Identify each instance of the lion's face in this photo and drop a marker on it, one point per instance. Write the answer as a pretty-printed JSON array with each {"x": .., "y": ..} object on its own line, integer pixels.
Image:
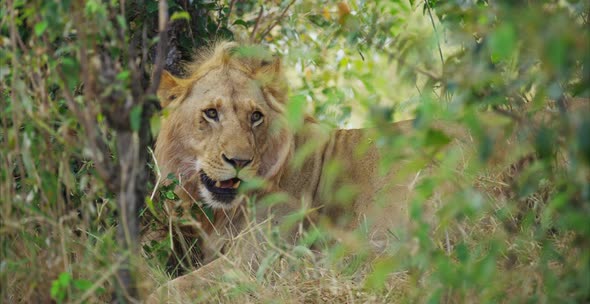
[
  {"x": 223, "y": 128},
  {"x": 227, "y": 122}
]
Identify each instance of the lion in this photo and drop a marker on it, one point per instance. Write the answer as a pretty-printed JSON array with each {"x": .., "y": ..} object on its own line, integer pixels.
[{"x": 225, "y": 125}]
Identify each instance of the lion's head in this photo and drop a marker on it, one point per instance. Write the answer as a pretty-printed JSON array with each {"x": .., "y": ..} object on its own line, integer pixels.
[{"x": 224, "y": 123}]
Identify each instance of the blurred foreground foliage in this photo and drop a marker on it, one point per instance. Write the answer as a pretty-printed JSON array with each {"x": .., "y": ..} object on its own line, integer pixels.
[{"x": 352, "y": 64}]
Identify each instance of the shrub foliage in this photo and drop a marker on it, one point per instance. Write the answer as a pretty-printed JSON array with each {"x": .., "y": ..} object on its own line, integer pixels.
[{"x": 79, "y": 114}]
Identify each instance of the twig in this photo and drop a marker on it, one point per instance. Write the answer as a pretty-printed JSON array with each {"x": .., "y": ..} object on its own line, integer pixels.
[
  {"x": 256, "y": 24},
  {"x": 562, "y": 104},
  {"x": 508, "y": 114},
  {"x": 144, "y": 48},
  {"x": 158, "y": 173},
  {"x": 102, "y": 163},
  {"x": 231, "y": 6},
  {"x": 417, "y": 88},
  {"x": 90, "y": 291},
  {"x": 418, "y": 69},
  {"x": 84, "y": 62},
  {"x": 448, "y": 242},
  {"x": 268, "y": 29},
  {"x": 442, "y": 61},
  {"x": 161, "y": 49},
  {"x": 15, "y": 64},
  {"x": 219, "y": 23},
  {"x": 194, "y": 200}
]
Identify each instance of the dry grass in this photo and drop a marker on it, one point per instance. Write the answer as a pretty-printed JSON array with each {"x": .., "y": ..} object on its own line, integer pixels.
[
  {"x": 490, "y": 256},
  {"x": 494, "y": 254}
]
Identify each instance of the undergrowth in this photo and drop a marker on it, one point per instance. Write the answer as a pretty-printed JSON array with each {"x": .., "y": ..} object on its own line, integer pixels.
[{"x": 517, "y": 234}]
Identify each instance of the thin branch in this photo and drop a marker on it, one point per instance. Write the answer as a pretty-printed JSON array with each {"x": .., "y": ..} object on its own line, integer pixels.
[
  {"x": 276, "y": 22},
  {"x": 418, "y": 89},
  {"x": 102, "y": 162},
  {"x": 508, "y": 114},
  {"x": 136, "y": 75},
  {"x": 161, "y": 49},
  {"x": 144, "y": 50},
  {"x": 416, "y": 68},
  {"x": 105, "y": 276},
  {"x": 231, "y": 6},
  {"x": 84, "y": 61},
  {"x": 158, "y": 173},
  {"x": 562, "y": 104},
  {"x": 15, "y": 64},
  {"x": 442, "y": 60},
  {"x": 256, "y": 23},
  {"x": 219, "y": 23}
]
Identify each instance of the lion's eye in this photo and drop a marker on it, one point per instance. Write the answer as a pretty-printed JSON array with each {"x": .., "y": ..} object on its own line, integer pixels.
[
  {"x": 256, "y": 117},
  {"x": 211, "y": 114}
]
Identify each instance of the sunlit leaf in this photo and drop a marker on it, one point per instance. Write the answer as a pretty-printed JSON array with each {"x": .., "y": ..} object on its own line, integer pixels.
[
  {"x": 181, "y": 15},
  {"x": 377, "y": 278},
  {"x": 295, "y": 110},
  {"x": 502, "y": 42},
  {"x": 241, "y": 22},
  {"x": 135, "y": 117},
  {"x": 40, "y": 28},
  {"x": 82, "y": 284}
]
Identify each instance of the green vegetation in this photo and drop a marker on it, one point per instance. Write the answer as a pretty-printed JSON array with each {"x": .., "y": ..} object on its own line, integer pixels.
[{"x": 79, "y": 113}]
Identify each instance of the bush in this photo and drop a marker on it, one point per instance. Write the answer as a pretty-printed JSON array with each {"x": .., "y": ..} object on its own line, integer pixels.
[{"x": 77, "y": 82}]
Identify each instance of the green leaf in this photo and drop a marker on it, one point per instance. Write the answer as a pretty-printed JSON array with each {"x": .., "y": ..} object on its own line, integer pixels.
[
  {"x": 295, "y": 111},
  {"x": 40, "y": 28},
  {"x": 545, "y": 142},
  {"x": 382, "y": 269},
  {"x": 436, "y": 138},
  {"x": 302, "y": 251},
  {"x": 557, "y": 51},
  {"x": 583, "y": 138},
  {"x": 71, "y": 70},
  {"x": 251, "y": 184},
  {"x": 121, "y": 22},
  {"x": 170, "y": 195},
  {"x": 209, "y": 213},
  {"x": 253, "y": 51},
  {"x": 435, "y": 298},
  {"x": 181, "y": 15},
  {"x": 55, "y": 290},
  {"x": 241, "y": 22},
  {"x": 135, "y": 118},
  {"x": 273, "y": 199},
  {"x": 462, "y": 252},
  {"x": 82, "y": 284},
  {"x": 64, "y": 278},
  {"x": 151, "y": 6},
  {"x": 155, "y": 125},
  {"x": 59, "y": 286},
  {"x": 123, "y": 75},
  {"x": 502, "y": 42},
  {"x": 266, "y": 264},
  {"x": 150, "y": 203},
  {"x": 486, "y": 145}
]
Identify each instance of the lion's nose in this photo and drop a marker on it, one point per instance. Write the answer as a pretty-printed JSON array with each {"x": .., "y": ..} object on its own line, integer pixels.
[{"x": 236, "y": 162}]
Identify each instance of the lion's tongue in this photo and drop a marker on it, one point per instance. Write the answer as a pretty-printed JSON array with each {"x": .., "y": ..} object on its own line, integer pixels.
[
  {"x": 226, "y": 183},
  {"x": 230, "y": 183}
]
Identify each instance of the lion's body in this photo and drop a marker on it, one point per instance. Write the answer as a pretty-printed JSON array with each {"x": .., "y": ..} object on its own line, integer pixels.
[
  {"x": 339, "y": 180},
  {"x": 347, "y": 161}
]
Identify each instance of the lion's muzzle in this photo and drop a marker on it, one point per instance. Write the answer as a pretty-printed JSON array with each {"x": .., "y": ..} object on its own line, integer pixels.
[{"x": 222, "y": 191}]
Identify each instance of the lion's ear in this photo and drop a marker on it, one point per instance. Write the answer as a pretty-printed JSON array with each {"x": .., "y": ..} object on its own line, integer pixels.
[
  {"x": 169, "y": 89},
  {"x": 271, "y": 65},
  {"x": 270, "y": 73}
]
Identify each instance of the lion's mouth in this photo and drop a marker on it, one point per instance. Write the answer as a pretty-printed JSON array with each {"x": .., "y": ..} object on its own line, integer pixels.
[{"x": 223, "y": 191}]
